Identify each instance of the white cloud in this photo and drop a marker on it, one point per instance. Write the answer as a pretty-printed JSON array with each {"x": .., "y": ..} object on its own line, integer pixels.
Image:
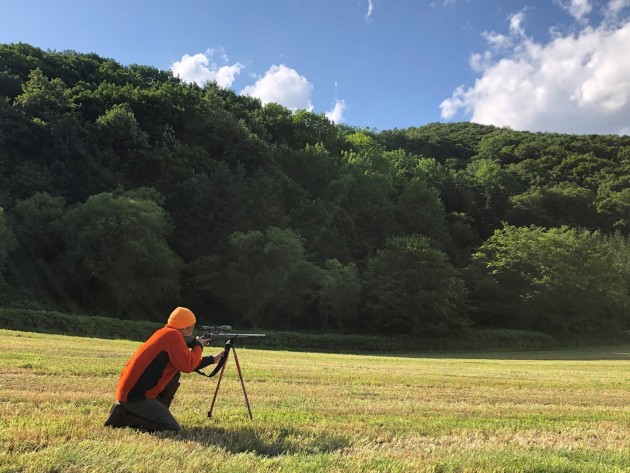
[
  {"x": 497, "y": 41},
  {"x": 198, "y": 69},
  {"x": 225, "y": 75},
  {"x": 516, "y": 23},
  {"x": 336, "y": 114},
  {"x": 370, "y": 9},
  {"x": 447, "y": 3},
  {"x": 573, "y": 84},
  {"x": 614, "y": 8},
  {"x": 284, "y": 86},
  {"x": 578, "y": 9}
]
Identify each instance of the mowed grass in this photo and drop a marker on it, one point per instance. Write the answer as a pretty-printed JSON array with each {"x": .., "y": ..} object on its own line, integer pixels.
[{"x": 561, "y": 411}]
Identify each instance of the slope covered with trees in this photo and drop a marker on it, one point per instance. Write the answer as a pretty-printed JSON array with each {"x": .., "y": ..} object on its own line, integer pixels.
[{"x": 125, "y": 191}]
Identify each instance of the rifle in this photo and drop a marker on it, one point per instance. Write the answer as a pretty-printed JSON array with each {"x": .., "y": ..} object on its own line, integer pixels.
[{"x": 224, "y": 332}]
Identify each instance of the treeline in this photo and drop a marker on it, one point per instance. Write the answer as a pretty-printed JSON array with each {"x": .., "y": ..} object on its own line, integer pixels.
[{"x": 126, "y": 191}]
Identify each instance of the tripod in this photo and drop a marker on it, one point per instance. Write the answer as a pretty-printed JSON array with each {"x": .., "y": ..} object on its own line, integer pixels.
[{"x": 240, "y": 375}]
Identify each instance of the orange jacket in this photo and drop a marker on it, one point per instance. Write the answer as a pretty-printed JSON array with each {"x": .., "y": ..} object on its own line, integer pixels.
[{"x": 155, "y": 364}]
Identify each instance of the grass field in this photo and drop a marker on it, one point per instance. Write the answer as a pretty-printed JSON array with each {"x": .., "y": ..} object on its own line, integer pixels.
[{"x": 559, "y": 411}]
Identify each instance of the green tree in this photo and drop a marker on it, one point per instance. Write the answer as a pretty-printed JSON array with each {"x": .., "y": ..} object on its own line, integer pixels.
[
  {"x": 295, "y": 306},
  {"x": 340, "y": 294},
  {"x": 7, "y": 244},
  {"x": 43, "y": 99},
  {"x": 368, "y": 190},
  {"x": 462, "y": 238},
  {"x": 621, "y": 250},
  {"x": 615, "y": 208},
  {"x": 493, "y": 183},
  {"x": 410, "y": 287},
  {"x": 253, "y": 272},
  {"x": 420, "y": 211},
  {"x": 10, "y": 84},
  {"x": 563, "y": 204},
  {"x": 37, "y": 225},
  {"x": 36, "y": 222},
  {"x": 202, "y": 208},
  {"x": 119, "y": 130},
  {"x": 556, "y": 280},
  {"x": 276, "y": 123},
  {"x": 486, "y": 188},
  {"x": 529, "y": 208},
  {"x": 124, "y": 147},
  {"x": 117, "y": 254},
  {"x": 443, "y": 179},
  {"x": 311, "y": 128}
]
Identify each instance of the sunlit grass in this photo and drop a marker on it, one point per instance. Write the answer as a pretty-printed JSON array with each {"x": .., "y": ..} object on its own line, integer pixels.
[{"x": 562, "y": 411}]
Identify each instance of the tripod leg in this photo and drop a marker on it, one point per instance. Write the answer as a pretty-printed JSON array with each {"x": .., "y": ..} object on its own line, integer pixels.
[
  {"x": 240, "y": 375},
  {"x": 214, "y": 398}
]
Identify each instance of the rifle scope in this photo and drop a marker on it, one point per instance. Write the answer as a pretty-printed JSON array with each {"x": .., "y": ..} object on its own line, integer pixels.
[{"x": 216, "y": 328}]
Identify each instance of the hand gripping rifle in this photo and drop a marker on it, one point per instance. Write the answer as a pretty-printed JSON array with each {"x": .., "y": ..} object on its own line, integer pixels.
[{"x": 224, "y": 332}]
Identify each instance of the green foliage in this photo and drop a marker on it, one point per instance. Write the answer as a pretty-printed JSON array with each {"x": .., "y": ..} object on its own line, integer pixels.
[
  {"x": 116, "y": 254},
  {"x": 565, "y": 204},
  {"x": 411, "y": 287},
  {"x": 7, "y": 244},
  {"x": 556, "y": 280},
  {"x": 202, "y": 207},
  {"x": 310, "y": 129},
  {"x": 43, "y": 321},
  {"x": 340, "y": 294},
  {"x": 119, "y": 129},
  {"x": 615, "y": 207},
  {"x": 37, "y": 225},
  {"x": 253, "y": 272},
  {"x": 10, "y": 84},
  {"x": 450, "y": 142},
  {"x": 491, "y": 181},
  {"x": 43, "y": 98},
  {"x": 117, "y": 179},
  {"x": 419, "y": 210}
]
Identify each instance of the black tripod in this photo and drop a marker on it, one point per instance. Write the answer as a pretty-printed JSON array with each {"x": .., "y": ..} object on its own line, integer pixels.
[
  {"x": 240, "y": 375},
  {"x": 224, "y": 333}
]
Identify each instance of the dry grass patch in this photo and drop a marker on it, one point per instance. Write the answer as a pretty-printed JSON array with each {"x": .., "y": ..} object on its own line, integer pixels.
[{"x": 548, "y": 411}]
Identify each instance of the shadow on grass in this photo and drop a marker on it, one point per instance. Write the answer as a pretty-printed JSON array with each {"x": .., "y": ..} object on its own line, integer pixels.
[{"x": 269, "y": 443}]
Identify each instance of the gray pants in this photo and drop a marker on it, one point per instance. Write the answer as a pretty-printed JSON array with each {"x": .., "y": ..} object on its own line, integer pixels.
[
  {"x": 153, "y": 410},
  {"x": 148, "y": 414}
]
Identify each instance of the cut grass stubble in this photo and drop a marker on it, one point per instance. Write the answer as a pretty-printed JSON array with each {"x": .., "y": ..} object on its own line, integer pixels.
[{"x": 546, "y": 411}]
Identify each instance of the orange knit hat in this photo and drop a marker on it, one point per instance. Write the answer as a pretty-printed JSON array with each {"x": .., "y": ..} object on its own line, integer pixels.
[{"x": 181, "y": 318}]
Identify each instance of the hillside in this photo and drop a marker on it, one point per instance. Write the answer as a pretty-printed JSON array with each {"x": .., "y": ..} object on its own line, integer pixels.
[{"x": 125, "y": 191}]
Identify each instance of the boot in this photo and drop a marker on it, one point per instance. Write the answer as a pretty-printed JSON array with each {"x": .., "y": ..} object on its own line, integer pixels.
[
  {"x": 121, "y": 417},
  {"x": 117, "y": 417}
]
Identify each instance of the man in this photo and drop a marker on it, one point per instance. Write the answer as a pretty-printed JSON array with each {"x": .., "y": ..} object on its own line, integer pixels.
[{"x": 151, "y": 377}]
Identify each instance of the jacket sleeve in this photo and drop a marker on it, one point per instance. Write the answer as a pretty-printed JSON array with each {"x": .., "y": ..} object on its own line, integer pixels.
[{"x": 183, "y": 358}]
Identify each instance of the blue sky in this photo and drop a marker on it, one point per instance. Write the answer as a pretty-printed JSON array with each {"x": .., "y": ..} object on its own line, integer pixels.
[{"x": 538, "y": 65}]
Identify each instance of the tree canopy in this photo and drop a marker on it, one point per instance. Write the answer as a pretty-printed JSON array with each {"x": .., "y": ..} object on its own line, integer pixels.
[{"x": 126, "y": 191}]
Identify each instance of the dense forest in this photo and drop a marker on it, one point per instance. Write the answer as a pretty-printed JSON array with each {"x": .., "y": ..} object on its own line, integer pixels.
[{"x": 125, "y": 191}]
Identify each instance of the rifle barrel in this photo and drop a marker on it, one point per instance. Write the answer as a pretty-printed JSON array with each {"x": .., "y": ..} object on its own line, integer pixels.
[{"x": 228, "y": 336}]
